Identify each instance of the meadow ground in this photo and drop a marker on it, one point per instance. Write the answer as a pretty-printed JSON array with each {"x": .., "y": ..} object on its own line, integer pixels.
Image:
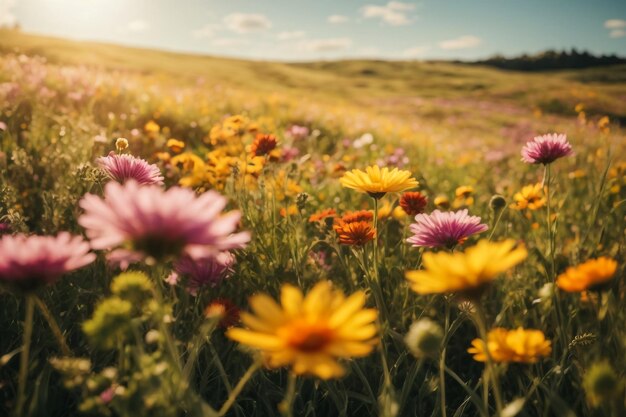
[{"x": 186, "y": 329}]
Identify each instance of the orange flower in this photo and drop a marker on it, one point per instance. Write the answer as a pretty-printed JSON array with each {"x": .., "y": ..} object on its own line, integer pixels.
[
  {"x": 413, "y": 202},
  {"x": 589, "y": 275},
  {"x": 263, "y": 144},
  {"x": 356, "y": 233},
  {"x": 321, "y": 215},
  {"x": 357, "y": 216},
  {"x": 520, "y": 345}
]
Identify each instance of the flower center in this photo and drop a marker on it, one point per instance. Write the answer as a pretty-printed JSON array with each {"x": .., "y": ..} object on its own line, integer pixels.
[
  {"x": 309, "y": 337},
  {"x": 159, "y": 246}
]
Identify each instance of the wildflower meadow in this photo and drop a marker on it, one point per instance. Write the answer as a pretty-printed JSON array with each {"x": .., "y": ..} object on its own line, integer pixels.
[{"x": 214, "y": 238}]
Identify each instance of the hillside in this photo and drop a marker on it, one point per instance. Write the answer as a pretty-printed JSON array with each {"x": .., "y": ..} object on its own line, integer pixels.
[{"x": 398, "y": 88}]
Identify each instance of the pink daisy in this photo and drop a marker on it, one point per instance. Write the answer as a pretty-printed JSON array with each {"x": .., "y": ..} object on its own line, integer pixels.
[
  {"x": 444, "y": 229},
  {"x": 546, "y": 149},
  {"x": 205, "y": 272},
  {"x": 29, "y": 262},
  {"x": 122, "y": 168},
  {"x": 147, "y": 221}
]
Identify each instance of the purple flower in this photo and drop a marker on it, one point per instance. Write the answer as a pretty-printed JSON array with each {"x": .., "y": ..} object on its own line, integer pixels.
[
  {"x": 122, "y": 168},
  {"x": 147, "y": 221},
  {"x": 444, "y": 229},
  {"x": 546, "y": 149},
  {"x": 29, "y": 262},
  {"x": 205, "y": 272}
]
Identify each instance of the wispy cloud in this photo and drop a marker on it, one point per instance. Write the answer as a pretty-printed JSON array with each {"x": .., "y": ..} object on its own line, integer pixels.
[
  {"x": 394, "y": 13},
  {"x": 7, "y": 17},
  {"x": 416, "y": 51},
  {"x": 463, "y": 42},
  {"x": 617, "y": 28},
  {"x": 137, "y": 26},
  {"x": 286, "y": 36},
  {"x": 615, "y": 24},
  {"x": 337, "y": 19},
  {"x": 327, "y": 45},
  {"x": 245, "y": 23}
]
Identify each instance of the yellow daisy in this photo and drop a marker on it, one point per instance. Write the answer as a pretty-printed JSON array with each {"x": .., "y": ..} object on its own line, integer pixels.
[
  {"x": 309, "y": 333},
  {"x": 531, "y": 197},
  {"x": 588, "y": 275},
  {"x": 467, "y": 272},
  {"x": 377, "y": 182},
  {"x": 520, "y": 345}
]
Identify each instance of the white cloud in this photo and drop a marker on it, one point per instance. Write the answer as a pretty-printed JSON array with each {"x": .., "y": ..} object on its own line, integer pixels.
[
  {"x": 416, "y": 51},
  {"x": 285, "y": 36},
  {"x": 206, "y": 31},
  {"x": 393, "y": 13},
  {"x": 617, "y": 33},
  {"x": 137, "y": 26},
  {"x": 327, "y": 45},
  {"x": 463, "y": 42},
  {"x": 615, "y": 24},
  {"x": 337, "y": 18},
  {"x": 7, "y": 17},
  {"x": 245, "y": 23}
]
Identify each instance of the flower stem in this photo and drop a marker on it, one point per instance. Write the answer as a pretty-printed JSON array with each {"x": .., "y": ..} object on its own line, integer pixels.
[
  {"x": 482, "y": 330},
  {"x": 286, "y": 405},
  {"x": 54, "y": 326},
  {"x": 23, "y": 372},
  {"x": 442, "y": 362},
  {"x": 239, "y": 387}
]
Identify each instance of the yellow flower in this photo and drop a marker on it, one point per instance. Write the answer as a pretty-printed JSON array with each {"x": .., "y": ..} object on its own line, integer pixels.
[
  {"x": 588, "y": 275},
  {"x": 520, "y": 345},
  {"x": 309, "y": 333},
  {"x": 152, "y": 127},
  {"x": 441, "y": 201},
  {"x": 531, "y": 197},
  {"x": 175, "y": 145},
  {"x": 464, "y": 197},
  {"x": 467, "y": 272},
  {"x": 377, "y": 182}
]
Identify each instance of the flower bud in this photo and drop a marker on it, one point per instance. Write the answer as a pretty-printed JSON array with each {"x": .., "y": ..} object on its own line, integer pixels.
[
  {"x": 424, "y": 338},
  {"x": 121, "y": 144},
  {"x": 497, "y": 203}
]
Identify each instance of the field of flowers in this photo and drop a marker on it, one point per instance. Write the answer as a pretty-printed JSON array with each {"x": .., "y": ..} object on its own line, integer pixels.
[{"x": 183, "y": 245}]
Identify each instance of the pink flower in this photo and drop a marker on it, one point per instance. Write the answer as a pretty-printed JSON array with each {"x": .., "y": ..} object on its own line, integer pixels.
[
  {"x": 28, "y": 262},
  {"x": 147, "y": 221},
  {"x": 546, "y": 149},
  {"x": 203, "y": 272},
  {"x": 298, "y": 132},
  {"x": 444, "y": 229},
  {"x": 122, "y": 168}
]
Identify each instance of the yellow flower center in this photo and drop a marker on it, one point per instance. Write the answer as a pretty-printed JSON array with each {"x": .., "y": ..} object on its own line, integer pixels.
[{"x": 308, "y": 337}]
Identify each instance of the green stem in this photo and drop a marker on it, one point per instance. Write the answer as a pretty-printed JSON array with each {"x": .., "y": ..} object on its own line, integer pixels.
[
  {"x": 54, "y": 326},
  {"x": 495, "y": 224},
  {"x": 442, "y": 362},
  {"x": 547, "y": 180},
  {"x": 23, "y": 372},
  {"x": 286, "y": 405},
  {"x": 239, "y": 387},
  {"x": 482, "y": 330}
]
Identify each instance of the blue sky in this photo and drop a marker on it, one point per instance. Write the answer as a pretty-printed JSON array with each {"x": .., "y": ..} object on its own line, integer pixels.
[{"x": 305, "y": 30}]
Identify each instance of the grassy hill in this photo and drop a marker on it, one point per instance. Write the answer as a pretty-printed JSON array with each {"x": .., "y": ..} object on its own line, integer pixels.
[{"x": 396, "y": 88}]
